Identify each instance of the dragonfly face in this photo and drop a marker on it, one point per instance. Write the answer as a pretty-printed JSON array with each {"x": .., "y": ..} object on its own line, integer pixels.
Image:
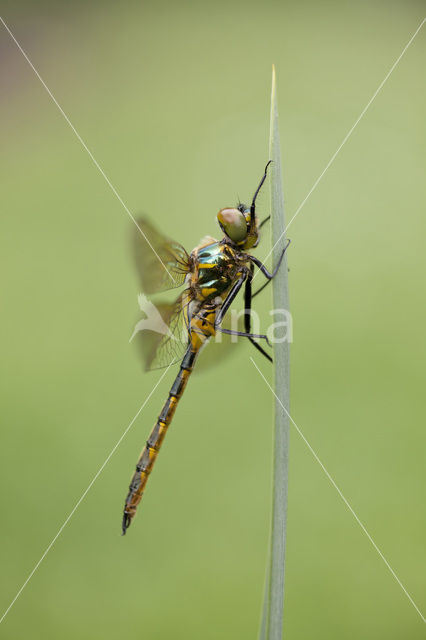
[
  {"x": 239, "y": 226},
  {"x": 212, "y": 274}
]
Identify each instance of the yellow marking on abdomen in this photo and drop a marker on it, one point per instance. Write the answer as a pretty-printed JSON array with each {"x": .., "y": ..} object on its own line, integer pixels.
[{"x": 150, "y": 451}]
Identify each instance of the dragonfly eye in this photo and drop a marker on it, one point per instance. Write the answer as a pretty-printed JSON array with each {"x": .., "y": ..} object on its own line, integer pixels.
[{"x": 233, "y": 224}]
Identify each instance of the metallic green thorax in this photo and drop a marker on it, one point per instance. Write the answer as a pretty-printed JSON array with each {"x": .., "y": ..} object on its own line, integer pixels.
[{"x": 218, "y": 267}]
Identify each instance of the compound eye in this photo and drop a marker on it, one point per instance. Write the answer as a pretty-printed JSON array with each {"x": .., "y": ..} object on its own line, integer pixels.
[{"x": 233, "y": 223}]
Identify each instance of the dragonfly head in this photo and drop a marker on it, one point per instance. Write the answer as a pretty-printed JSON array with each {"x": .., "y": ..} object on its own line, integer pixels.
[{"x": 237, "y": 225}]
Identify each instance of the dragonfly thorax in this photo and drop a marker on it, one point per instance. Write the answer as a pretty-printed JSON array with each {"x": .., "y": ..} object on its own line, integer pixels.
[{"x": 215, "y": 268}]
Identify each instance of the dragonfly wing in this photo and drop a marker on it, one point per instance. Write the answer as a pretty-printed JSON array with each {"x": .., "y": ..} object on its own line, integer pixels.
[
  {"x": 162, "y": 338},
  {"x": 161, "y": 263}
]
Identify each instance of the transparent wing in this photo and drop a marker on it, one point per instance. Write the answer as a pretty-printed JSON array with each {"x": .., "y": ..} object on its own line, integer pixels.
[
  {"x": 161, "y": 263},
  {"x": 162, "y": 336}
]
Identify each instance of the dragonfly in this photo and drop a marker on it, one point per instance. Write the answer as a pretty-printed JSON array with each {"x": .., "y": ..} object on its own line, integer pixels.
[{"x": 212, "y": 274}]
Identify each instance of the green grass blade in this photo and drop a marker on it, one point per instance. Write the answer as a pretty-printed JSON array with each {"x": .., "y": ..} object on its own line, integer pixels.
[{"x": 272, "y": 619}]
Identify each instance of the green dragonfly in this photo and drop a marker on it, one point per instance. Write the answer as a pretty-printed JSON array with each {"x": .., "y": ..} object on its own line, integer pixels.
[{"x": 213, "y": 274}]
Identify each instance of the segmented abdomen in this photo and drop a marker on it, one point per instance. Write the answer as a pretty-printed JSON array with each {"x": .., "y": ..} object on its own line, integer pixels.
[{"x": 153, "y": 444}]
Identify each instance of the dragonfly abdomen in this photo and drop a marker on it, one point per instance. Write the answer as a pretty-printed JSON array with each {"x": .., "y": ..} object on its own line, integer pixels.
[{"x": 150, "y": 451}]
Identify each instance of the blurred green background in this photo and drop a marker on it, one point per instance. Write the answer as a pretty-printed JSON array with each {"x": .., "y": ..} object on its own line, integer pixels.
[{"x": 173, "y": 101}]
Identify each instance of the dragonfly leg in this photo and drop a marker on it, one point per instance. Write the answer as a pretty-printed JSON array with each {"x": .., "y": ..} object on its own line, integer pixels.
[
  {"x": 229, "y": 300},
  {"x": 224, "y": 308},
  {"x": 244, "y": 334},
  {"x": 253, "y": 203},
  {"x": 261, "y": 288},
  {"x": 269, "y": 276},
  {"x": 247, "y": 316},
  {"x": 262, "y": 267},
  {"x": 264, "y": 222}
]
